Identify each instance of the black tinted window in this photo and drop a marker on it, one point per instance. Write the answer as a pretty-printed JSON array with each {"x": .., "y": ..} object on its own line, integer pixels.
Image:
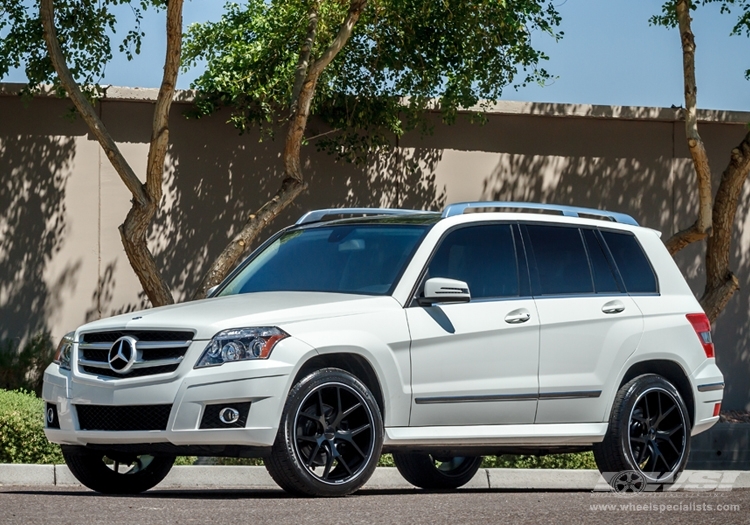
[
  {"x": 482, "y": 256},
  {"x": 561, "y": 261},
  {"x": 634, "y": 267},
  {"x": 604, "y": 279}
]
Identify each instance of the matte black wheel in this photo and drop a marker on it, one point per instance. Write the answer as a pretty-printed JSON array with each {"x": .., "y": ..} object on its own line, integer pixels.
[
  {"x": 649, "y": 431},
  {"x": 112, "y": 473},
  {"x": 429, "y": 471},
  {"x": 330, "y": 436}
]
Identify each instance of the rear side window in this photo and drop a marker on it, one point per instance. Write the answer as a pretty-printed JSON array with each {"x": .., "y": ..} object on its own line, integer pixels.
[
  {"x": 634, "y": 267},
  {"x": 561, "y": 261},
  {"x": 482, "y": 256},
  {"x": 604, "y": 279}
]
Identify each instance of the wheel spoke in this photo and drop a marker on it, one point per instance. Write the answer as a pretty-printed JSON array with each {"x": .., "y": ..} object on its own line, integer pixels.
[
  {"x": 642, "y": 455},
  {"x": 359, "y": 430},
  {"x": 313, "y": 456},
  {"x": 329, "y": 464},
  {"x": 341, "y": 460},
  {"x": 321, "y": 407},
  {"x": 351, "y": 409},
  {"x": 310, "y": 439},
  {"x": 664, "y": 415}
]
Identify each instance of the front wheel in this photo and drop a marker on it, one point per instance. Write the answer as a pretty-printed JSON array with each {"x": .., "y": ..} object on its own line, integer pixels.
[
  {"x": 648, "y": 433},
  {"x": 330, "y": 436},
  {"x": 430, "y": 471},
  {"x": 115, "y": 473}
]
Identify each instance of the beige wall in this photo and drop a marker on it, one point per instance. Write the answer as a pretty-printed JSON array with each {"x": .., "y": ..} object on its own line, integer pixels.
[{"x": 61, "y": 261}]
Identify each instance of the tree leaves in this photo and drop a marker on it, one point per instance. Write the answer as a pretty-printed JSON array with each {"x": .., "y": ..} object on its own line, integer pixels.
[
  {"x": 403, "y": 56},
  {"x": 85, "y": 30}
]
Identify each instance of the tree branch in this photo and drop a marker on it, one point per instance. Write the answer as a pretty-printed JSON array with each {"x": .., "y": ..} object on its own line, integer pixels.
[
  {"x": 160, "y": 127},
  {"x": 300, "y": 72},
  {"x": 301, "y": 105},
  {"x": 84, "y": 107},
  {"x": 685, "y": 237},
  {"x": 342, "y": 37},
  {"x": 289, "y": 190},
  {"x": 695, "y": 143}
]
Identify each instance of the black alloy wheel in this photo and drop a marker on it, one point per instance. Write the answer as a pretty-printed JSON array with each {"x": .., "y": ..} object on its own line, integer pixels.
[
  {"x": 648, "y": 432},
  {"x": 429, "y": 471},
  {"x": 114, "y": 473},
  {"x": 330, "y": 436}
]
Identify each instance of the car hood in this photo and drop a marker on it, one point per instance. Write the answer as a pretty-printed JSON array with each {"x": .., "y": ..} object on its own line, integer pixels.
[{"x": 209, "y": 316}]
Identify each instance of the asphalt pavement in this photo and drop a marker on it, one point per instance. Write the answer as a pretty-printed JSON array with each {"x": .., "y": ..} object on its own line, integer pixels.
[{"x": 32, "y": 505}]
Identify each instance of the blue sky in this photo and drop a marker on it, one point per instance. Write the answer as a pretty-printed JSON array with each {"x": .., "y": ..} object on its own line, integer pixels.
[{"x": 609, "y": 55}]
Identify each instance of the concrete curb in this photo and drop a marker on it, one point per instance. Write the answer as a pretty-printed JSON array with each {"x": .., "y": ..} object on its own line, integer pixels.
[{"x": 384, "y": 478}]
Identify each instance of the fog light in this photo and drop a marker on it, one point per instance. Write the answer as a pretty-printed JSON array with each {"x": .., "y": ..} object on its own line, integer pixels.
[
  {"x": 717, "y": 409},
  {"x": 229, "y": 415}
]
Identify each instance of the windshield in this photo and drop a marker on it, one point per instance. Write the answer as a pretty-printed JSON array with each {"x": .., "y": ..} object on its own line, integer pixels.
[{"x": 359, "y": 259}]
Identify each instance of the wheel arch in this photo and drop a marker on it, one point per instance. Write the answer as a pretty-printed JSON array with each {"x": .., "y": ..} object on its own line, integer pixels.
[
  {"x": 355, "y": 364},
  {"x": 672, "y": 372}
]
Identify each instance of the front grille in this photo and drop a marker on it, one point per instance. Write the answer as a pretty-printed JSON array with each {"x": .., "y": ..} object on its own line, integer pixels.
[
  {"x": 141, "y": 335},
  {"x": 123, "y": 418},
  {"x": 140, "y": 372},
  {"x": 158, "y": 352}
]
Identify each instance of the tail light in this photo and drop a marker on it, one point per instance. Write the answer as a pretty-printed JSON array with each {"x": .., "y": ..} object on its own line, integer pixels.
[{"x": 702, "y": 327}]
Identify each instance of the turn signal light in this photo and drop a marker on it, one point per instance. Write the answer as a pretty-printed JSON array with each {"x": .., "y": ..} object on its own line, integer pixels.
[{"x": 702, "y": 327}]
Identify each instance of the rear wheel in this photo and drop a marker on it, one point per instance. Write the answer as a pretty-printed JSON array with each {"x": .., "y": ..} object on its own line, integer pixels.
[
  {"x": 430, "y": 471},
  {"x": 114, "y": 473},
  {"x": 330, "y": 436},
  {"x": 648, "y": 433}
]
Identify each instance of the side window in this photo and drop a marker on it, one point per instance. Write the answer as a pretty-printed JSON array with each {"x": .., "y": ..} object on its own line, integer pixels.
[
  {"x": 634, "y": 267},
  {"x": 482, "y": 256},
  {"x": 561, "y": 261},
  {"x": 604, "y": 279}
]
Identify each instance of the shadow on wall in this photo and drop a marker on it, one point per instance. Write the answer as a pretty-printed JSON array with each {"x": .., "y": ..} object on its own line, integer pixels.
[
  {"x": 211, "y": 188},
  {"x": 32, "y": 229}
]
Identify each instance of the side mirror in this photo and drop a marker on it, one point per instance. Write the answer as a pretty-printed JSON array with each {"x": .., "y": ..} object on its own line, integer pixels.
[
  {"x": 442, "y": 290},
  {"x": 210, "y": 291}
]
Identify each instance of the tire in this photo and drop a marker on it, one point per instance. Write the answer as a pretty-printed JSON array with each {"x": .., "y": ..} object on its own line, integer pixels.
[
  {"x": 116, "y": 473},
  {"x": 434, "y": 472},
  {"x": 328, "y": 411},
  {"x": 648, "y": 432}
]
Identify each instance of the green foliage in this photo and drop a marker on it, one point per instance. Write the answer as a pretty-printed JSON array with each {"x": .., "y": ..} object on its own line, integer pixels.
[
  {"x": 22, "y": 438},
  {"x": 24, "y": 368},
  {"x": 454, "y": 53},
  {"x": 85, "y": 29},
  {"x": 580, "y": 460},
  {"x": 185, "y": 460},
  {"x": 741, "y": 8}
]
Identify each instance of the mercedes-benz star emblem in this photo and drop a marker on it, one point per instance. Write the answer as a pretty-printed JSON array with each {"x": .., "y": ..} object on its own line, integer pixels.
[{"x": 122, "y": 354}]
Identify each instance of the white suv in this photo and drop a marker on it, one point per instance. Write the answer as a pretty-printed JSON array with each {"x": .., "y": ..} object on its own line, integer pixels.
[{"x": 437, "y": 337}]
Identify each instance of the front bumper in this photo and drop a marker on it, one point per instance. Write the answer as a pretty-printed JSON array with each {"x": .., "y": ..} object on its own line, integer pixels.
[{"x": 263, "y": 384}]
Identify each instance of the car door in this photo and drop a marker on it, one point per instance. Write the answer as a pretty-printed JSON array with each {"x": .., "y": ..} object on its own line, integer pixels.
[
  {"x": 476, "y": 363},
  {"x": 589, "y": 325}
]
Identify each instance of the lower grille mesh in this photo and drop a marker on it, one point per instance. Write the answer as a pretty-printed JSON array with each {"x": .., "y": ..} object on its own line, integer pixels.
[{"x": 123, "y": 418}]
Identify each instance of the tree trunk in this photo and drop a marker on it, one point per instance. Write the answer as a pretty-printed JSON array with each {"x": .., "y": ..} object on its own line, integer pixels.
[
  {"x": 702, "y": 225},
  {"x": 307, "y": 73},
  {"x": 721, "y": 283},
  {"x": 146, "y": 197}
]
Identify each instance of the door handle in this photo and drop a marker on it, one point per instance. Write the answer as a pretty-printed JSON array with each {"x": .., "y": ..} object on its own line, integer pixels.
[
  {"x": 518, "y": 316},
  {"x": 613, "y": 307}
]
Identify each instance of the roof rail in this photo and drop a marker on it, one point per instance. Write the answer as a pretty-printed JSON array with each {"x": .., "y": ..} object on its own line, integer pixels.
[
  {"x": 569, "y": 211},
  {"x": 317, "y": 215}
]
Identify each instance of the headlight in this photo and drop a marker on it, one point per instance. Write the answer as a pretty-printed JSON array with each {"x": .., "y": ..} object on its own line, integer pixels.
[
  {"x": 240, "y": 344},
  {"x": 64, "y": 351}
]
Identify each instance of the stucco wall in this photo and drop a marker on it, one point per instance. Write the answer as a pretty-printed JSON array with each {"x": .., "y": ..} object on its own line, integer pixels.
[{"x": 61, "y": 261}]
